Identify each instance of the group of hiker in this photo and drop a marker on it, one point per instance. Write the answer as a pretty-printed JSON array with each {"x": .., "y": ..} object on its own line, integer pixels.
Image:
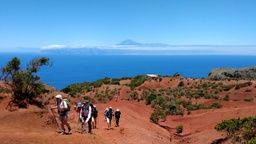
[
  {"x": 109, "y": 112},
  {"x": 87, "y": 115}
]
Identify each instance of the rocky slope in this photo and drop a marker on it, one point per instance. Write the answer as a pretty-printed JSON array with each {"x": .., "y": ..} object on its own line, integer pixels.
[{"x": 248, "y": 73}]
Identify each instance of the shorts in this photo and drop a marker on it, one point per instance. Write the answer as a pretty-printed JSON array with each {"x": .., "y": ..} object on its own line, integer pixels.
[
  {"x": 108, "y": 120},
  {"x": 63, "y": 118}
]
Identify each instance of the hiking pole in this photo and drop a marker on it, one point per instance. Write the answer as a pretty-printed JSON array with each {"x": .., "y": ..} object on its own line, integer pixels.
[
  {"x": 98, "y": 122},
  {"x": 54, "y": 119}
]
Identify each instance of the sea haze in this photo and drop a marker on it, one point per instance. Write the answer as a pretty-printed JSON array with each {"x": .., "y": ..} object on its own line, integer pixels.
[{"x": 70, "y": 69}]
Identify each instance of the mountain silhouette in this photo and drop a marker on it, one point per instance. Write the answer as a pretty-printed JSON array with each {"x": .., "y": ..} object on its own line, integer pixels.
[
  {"x": 129, "y": 42},
  {"x": 133, "y": 43}
]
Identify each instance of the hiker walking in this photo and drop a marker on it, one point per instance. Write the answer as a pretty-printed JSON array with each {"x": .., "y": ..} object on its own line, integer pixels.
[
  {"x": 117, "y": 95},
  {"x": 94, "y": 116},
  {"x": 63, "y": 113},
  {"x": 105, "y": 114},
  {"x": 117, "y": 116},
  {"x": 109, "y": 115},
  {"x": 85, "y": 116},
  {"x": 78, "y": 108}
]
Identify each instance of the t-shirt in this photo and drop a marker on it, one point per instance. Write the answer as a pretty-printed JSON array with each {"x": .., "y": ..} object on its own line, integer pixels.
[
  {"x": 95, "y": 113},
  {"x": 117, "y": 114},
  {"x": 62, "y": 112}
]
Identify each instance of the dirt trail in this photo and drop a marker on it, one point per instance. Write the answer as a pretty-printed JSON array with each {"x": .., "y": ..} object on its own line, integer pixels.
[{"x": 35, "y": 126}]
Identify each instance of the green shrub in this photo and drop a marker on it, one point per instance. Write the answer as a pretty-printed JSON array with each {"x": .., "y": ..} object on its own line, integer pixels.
[
  {"x": 207, "y": 96},
  {"x": 185, "y": 103},
  {"x": 227, "y": 87},
  {"x": 239, "y": 130},
  {"x": 150, "y": 98},
  {"x": 248, "y": 90},
  {"x": 248, "y": 99},
  {"x": 248, "y": 134},
  {"x": 179, "y": 128},
  {"x": 154, "y": 117},
  {"x": 181, "y": 84},
  {"x": 253, "y": 141},
  {"x": 134, "y": 95},
  {"x": 87, "y": 98},
  {"x": 216, "y": 106},
  {"x": 25, "y": 83},
  {"x": 137, "y": 81},
  {"x": 4, "y": 90},
  {"x": 226, "y": 98},
  {"x": 115, "y": 81}
]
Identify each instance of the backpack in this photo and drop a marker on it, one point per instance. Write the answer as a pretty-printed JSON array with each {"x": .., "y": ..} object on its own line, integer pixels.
[
  {"x": 85, "y": 110},
  {"x": 92, "y": 107},
  {"x": 109, "y": 113},
  {"x": 68, "y": 104}
]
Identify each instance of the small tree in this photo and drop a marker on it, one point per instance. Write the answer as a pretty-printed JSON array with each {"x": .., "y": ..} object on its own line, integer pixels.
[{"x": 25, "y": 84}]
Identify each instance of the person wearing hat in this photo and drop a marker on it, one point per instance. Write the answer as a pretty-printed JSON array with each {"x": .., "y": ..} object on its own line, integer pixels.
[
  {"x": 117, "y": 116},
  {"x": 105, "y": 114},
  {"x": 94, "y": 116},
  {"x": 63, "y": 113},
  {"x": 109, "y": 115},
  {"x": 85, "y": 116}
]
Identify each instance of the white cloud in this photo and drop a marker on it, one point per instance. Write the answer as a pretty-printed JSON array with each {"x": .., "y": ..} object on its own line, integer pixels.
[
  {"x": 190, "y": 49},
  {"x": 54, "y": 47}
]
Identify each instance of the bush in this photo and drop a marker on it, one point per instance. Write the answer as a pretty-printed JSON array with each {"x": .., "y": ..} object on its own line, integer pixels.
[
  {"x": 137, "y": 81},
  {"x": 216, "y": 106},
  {"x": 248, "y": 99},
  {"x": 25, "y": 84},
  {"x": 150, "y": 98},
  {"x": 253, "y": 141},
  {"x": 226, "y": 98},
  {"x": 181, "y": 84},
  {"x": 154, "y": 117},
  {"x": 134, "y": 95},
  {"x": 227, "y": 87},
  {"x": 179, "y": 128},
  {"x": 239, "y": 130},
  {"x": 115, "y": 81},
  {"x": 4, "y": 90},
  {"x": 248, "y": 90}
]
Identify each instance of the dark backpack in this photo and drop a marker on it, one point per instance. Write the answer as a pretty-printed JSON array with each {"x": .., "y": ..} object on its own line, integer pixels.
[
  {"x": 85, "y": 110},
  {"x": 109, "y": 113},
  {"x": 92, "y": 107}
]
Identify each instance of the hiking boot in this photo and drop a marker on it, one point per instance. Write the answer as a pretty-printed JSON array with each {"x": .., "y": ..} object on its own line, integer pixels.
[
  {"x": 69, "y": 131},
  {"x": 83, "y": 132},
  {"x": 62, "y": 132}
]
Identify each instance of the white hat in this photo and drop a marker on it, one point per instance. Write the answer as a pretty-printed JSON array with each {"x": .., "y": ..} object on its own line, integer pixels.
[
  {"x": 58, "y": 96},
  {"x": 110, "y": 107},
  {"x": 117, "y": 109},
  {"x": 94, "y": 106}
]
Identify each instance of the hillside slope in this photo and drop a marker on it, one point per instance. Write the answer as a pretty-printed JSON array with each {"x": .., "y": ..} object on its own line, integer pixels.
[
  {"x": 34, "y": 125},
  {"x": 231, "y": 73}
]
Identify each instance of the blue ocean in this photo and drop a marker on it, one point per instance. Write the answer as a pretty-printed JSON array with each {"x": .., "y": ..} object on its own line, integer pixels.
[{"x": 70, "y": 69}]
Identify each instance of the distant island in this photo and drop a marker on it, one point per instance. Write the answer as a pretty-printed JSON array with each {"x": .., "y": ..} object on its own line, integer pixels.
[{"x": 130, "y": 47}]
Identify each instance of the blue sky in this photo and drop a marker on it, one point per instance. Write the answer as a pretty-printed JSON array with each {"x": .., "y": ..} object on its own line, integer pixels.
[{"x": 38, "y": 23}]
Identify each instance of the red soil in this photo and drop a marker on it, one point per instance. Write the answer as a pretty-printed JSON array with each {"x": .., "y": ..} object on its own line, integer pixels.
[{"x": 34, "y": 125}]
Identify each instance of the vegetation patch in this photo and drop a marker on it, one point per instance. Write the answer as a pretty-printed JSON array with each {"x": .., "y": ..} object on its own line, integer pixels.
[{"x": 239, "y": 130}]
